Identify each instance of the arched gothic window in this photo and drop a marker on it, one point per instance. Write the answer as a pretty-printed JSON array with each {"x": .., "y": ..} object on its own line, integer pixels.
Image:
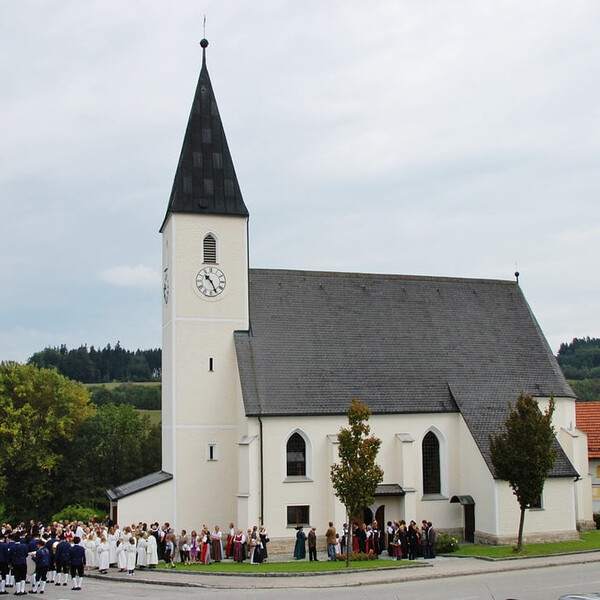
[
  {"x": 210, "y": 249},
  {"x": 431, "y": 464},
  {"x": 296, "y": 455}
]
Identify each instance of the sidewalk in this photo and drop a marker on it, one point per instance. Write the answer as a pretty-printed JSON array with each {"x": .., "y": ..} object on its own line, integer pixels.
[{"x": 445, "y": 566}]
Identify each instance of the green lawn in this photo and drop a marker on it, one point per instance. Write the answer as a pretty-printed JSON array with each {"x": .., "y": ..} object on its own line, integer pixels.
[
  {"x": 299, "y": 566},
  {"x": 587, "y": 541}
]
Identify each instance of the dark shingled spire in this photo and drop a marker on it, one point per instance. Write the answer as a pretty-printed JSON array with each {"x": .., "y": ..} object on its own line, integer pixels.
[{"x": 205, "y": 180}]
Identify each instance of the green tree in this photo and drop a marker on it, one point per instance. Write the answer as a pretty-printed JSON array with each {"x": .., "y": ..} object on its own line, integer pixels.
[
  {"x": 115, "y": 445},
  {"x": 41, "y": 411},
  {"x": 580, "y": 359},
  {"x": 356, "y": 476},
  {"x": 523, "y": 453}
]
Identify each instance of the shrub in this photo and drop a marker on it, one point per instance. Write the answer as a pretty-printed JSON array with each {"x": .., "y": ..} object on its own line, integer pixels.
[
  {"x": 597, "y": 520},
  {"x": 76, "y": 512},
  {"x": 445, "y": 543},
  {"x": 358, "y": 556}
]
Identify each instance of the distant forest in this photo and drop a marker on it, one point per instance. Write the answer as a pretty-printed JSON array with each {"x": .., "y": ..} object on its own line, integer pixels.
[
  {"x": 580, "y": 362},
  {"x": 111, "y": 363}
]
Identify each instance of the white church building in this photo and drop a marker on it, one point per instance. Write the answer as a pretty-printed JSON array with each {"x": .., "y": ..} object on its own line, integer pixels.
[{"x": 260, "y": 365}]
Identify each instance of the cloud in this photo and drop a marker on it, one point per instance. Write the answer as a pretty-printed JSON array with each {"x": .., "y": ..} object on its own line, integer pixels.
[{"x": 139, "y": 276}]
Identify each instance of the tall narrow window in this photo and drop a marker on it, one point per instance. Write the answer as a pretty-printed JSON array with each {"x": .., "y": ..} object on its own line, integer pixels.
[
  {"x": 296, "y": 455},
  {"x": 210, "y": 249},
  {"x": 431, "y": 464},
  {"x": 212, "y": 451}
]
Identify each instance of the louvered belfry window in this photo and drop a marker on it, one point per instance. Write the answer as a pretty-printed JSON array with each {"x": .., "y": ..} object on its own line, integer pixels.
[
  {"x": 210, "y": 249},
  {"x": 431, "y": 464}
]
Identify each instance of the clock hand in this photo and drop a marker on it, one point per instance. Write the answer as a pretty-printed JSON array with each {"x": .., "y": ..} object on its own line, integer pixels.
[{"x": 211, "y": 282}]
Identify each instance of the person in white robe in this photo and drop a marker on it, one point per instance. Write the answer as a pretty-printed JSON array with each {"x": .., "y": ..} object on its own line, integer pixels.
[
  {"x": 142, "y": 557},
  {"x": 121, "y": 555},
  {"x": 151, "y": 550},
  {"x": 112, "y": 537},
  {"x": 90, "y": 551},
  {"x": 131, "y": 554},
  {"x": 79, "y": 531},
  {"x": 102, "y": 548}
]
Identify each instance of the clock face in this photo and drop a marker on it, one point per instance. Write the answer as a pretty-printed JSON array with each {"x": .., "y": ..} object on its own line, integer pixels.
[
  {"x": 210, "y": 281},
  {"x": 166, "y": 286}
]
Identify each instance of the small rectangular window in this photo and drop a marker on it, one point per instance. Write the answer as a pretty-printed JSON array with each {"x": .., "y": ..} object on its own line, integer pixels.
[
  {"x": 212, "y": 451},
  {"x": 298, "y": 515},
  {"x": 211, "y": 364},
  {"x": 537, "y": 504}
]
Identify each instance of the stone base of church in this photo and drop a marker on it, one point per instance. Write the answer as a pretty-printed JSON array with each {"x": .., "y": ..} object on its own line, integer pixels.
[
  {"x": 531, "y": 538},
  {"x": 584, "y": 526}
]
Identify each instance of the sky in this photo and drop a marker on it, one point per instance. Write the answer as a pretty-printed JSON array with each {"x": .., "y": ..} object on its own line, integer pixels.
[{"x": 456, "y": 138}]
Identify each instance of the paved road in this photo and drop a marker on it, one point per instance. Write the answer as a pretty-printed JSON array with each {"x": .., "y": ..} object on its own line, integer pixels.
[
  {"x": 439, "y": 568},
  {"x": 448, "y": 579}
]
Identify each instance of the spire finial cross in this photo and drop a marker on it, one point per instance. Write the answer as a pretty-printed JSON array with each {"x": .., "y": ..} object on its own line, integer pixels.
[{"x": 204, "y": 41}]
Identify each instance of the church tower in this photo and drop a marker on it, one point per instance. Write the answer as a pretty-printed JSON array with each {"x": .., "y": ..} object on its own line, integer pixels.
[{"x": 205, "y": 299}]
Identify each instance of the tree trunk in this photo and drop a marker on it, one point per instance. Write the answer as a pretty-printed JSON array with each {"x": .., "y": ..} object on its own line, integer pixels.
[{"x": 521, "y": 524}]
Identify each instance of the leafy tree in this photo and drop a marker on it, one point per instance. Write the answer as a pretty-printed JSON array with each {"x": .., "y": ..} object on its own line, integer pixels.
[
  {"x": 587, "y": 390},
  {"x": 140, "y": 396},
  {"x": 76, "y": 512},
  {"x": 41, "y": 411},
  {"x": 357, "y": 475},
  {"x": 523, "y": 455},
  {"x": 115, "y": 445}
]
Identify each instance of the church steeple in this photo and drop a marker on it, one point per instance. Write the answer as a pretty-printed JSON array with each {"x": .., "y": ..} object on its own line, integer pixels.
[{"x": 205, "y": 180}]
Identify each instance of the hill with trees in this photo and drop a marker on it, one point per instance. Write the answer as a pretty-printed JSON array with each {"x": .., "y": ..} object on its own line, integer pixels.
[
  {"x": 102, "y": 365},
  {"x": 580, "y": 362}
]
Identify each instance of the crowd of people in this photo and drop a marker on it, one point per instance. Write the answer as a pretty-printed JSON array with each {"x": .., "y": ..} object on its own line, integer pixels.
[
  {"x": 53, "y": 553},
  {"x": 401, "y": 540},
  {"x": 50, "y": 554}
]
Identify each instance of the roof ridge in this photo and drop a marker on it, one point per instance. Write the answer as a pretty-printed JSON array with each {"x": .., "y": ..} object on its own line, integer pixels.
[{"x": 406, "y": 277}]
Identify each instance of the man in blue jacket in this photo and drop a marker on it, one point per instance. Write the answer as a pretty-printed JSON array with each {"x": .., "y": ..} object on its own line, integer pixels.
[
  {"x": 77, "y": 563},
  {"x": 4, "y": 561},
  {"x": 18, "y": 560},
  {"x": 62, "y": 558},
  {"x": 42, "y": 563}
]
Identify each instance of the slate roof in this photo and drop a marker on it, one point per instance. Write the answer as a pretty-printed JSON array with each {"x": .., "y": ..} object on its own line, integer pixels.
[
  {"x": 588, "y": 420},
  {"x": 205, "y": 181},
  {"x": 401, "y": 344},
  {"x": 137, "y": 485}
]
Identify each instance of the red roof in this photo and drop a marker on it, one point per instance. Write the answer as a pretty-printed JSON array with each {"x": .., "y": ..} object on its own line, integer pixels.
[{"x": 588, "y": 420}]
